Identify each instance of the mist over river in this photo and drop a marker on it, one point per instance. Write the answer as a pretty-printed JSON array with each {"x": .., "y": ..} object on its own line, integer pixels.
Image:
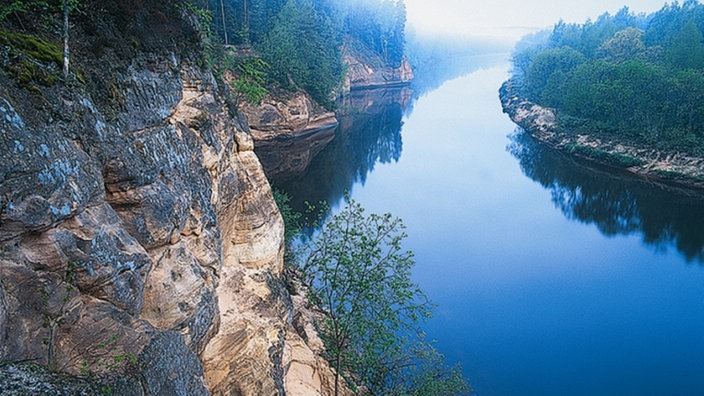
[{"x": 551, "y": 277}]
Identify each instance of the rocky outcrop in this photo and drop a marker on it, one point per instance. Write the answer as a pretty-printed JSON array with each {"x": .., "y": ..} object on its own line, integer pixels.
[
  {"x": 368, "y": 70},
  {"x": 27, "y": 378},
  {"x": 287, "y": 158},
  {"x": 543, "y": 124},
  {"x": 138, "y": 233},
  {"x": 286, "y": 115},
  {"x": 289, "y": 130}
]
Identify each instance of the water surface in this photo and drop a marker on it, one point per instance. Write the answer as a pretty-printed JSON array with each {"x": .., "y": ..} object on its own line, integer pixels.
[{"x": 551, "y": 278}]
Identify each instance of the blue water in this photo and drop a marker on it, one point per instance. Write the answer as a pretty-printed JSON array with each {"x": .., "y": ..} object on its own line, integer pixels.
[{"x": 550, "y": 279}]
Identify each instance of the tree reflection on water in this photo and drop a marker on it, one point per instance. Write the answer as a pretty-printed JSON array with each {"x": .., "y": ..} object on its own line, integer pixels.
[
  {"x": 369, "y": 132},
  {"x": 617, "y": 203}
]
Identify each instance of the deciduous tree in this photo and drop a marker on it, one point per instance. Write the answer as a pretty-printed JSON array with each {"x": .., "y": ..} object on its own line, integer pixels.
[{"x": 359, "y": 275}]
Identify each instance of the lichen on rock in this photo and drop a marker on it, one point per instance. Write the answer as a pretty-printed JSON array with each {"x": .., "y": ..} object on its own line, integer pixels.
[{"x": 139, "y": 238}]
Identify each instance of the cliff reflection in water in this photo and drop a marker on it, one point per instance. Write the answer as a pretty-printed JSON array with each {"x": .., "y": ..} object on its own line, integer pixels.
[
  {"x": 369, "y": 132},
  {"x": 617, "y": 204}
]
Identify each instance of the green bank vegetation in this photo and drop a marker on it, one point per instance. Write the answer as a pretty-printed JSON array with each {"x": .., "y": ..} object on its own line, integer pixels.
[
  {"x": 358, "y": 276},
  {"x": 294, "y": 44},
  {"x": 30, "y": 58},
  {"x": 297, "y": 44},
  {"x": 635, "y": 78}
]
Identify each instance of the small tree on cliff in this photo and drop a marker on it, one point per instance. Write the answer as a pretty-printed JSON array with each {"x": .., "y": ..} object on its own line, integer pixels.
[{"x": 360, "y": 277}]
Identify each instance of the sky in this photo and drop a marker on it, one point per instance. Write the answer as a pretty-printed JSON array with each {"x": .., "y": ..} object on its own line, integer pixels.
[{"x": 510, "y": 19}]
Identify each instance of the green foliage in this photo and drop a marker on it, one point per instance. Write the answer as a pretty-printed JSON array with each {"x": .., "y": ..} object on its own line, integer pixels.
[
  {"x": 21, "y": 6},
  {"x": 380, "y": 25},
  {"x": 626, "y": 44},
  {"x": 250, "y": 82},
  {"x": 549, "y": 69},
  {"x": 208, "y": 40},
  {"x": 32, "y": 47},
  {"x": 640, "y": 77},
  {"x": 292, "y": 219},
  {"x": 32, "y": 60},
  {"x": 687, "y": 48},
  {"x": 303, "y": 49},
  {"x": 359, "y": 275},
  {"x": 428, "y": 375},
  {"x": 70, "y": 5},
  {"x": 300, "y": 40}
]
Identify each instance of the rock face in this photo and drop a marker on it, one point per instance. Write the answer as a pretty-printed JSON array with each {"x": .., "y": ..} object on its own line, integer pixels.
[
  {"x": 138, "y": 233},
  {"x": 542, "y": 123},
  {"x": 288, "y": 131},
  {"x": 284, "y": 158},
  {"x": 365, "y": 70},
  {"x": 287, "y": 115}
]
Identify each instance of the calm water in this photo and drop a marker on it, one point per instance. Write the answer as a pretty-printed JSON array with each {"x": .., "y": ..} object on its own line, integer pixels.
[{"x": 551, "y": 278}]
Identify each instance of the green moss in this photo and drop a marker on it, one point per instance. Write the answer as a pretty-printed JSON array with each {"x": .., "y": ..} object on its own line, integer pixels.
[
  {"x": 28, "y": 74},
  {"x": 32, "y": 61},
  {"x": 32, "y": 47},
  {"x": 23, "y": 71}
]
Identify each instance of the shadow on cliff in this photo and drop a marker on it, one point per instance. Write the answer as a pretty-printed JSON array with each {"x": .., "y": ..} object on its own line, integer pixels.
[{"x": 617, "y": 204}]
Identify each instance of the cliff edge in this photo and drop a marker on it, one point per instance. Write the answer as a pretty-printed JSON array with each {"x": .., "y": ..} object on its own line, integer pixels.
[
  {"x": 140, "y": 245},
  {"x": 366, "y": 69}
]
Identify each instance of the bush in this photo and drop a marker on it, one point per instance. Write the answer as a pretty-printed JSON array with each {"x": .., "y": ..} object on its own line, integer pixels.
[{"x": 359, "y": 276}]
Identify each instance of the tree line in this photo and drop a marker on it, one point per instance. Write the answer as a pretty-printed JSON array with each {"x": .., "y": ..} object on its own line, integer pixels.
[
  {"x": 301, "y": 40},
  {"x": 634, "y": 77},
  {"x": 298, "y": 41}
]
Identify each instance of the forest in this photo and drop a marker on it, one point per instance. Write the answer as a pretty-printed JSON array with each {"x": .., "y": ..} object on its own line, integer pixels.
[
  {"x": 300, "y": 41},
  {"x": 292, "y": 44},
  {"x": 637, "y": 78}
]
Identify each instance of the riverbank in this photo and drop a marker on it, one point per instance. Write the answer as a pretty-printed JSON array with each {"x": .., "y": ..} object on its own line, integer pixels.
[{"x": 543, "y": 124}]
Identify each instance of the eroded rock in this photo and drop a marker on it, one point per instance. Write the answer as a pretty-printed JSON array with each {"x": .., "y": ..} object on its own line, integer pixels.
[
  {"x": 286, "y": 115},
  {"x": 139, "y": 238}
]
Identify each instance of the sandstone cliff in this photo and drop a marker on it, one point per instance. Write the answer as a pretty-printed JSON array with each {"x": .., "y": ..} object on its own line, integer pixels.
[
  {"x": 543, "y": 124},
  {"x": 139, "y": 238},
  {"x": 367, "y": 70},
  {"x": 288, "y": 129}
]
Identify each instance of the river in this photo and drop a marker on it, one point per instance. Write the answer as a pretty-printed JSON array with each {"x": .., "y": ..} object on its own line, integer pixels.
[{"x": 551, "y": 277}]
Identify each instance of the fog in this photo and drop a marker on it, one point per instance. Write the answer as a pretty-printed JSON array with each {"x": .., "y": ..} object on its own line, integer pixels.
[{"x": 509, "y": 19}]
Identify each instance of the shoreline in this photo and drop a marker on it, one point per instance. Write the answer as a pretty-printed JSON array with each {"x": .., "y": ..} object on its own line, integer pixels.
[{"x": 542, "y": 123}]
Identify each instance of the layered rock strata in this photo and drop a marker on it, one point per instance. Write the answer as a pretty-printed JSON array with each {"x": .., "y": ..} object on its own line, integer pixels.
[
  {"x": 139, "y": 238},
  {"x": 367, "y": 70},
  {"x": 289, "y": 130},
  {"x": 286, "y": 115}
]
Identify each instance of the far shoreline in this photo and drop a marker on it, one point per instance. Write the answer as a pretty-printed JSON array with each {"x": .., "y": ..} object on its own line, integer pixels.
[{"x": 670, "y": 168}]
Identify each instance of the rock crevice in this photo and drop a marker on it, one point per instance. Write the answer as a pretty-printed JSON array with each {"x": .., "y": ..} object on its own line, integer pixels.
[{"x": 139, "y": 238}]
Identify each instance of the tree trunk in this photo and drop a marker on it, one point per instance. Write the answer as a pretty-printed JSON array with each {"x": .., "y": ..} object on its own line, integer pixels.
[
  {"x": 246, "y": 21},
  {"x": 66, "y": 10},
  {"x": 337, "y": 375},
  {"x": 224, "y": 26}
]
